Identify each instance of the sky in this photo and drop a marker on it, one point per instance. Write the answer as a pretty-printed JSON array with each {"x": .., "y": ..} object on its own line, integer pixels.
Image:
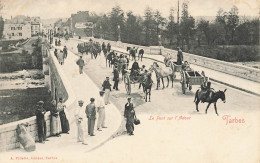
[{"x": 64, "y": 8}]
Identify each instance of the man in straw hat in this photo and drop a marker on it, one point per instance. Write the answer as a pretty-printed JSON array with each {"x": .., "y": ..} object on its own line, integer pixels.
[
  {"x": 91, "y": 115},
  {"x": 101, "y": 111},
  {"x": 107, "y": 88},
  {"x": 81, "y": 122}
]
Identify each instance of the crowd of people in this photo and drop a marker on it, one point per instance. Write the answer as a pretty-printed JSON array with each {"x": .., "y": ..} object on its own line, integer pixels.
[
  {"x": 61, "y": 55},
  {"x": 86, "y": 117}
]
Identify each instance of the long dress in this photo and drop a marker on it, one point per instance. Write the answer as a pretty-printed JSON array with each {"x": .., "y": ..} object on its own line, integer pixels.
[
  {"x": 81, "y": 122},
  {"x": 129, "y": 114},
  {"x": 55, "y": 122},
  {"x": 65, "y": 127}
]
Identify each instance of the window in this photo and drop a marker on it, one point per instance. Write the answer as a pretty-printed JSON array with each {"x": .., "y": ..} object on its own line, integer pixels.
[
  {"x": 19, "y": 28},
  {"x": 12, "y": 28},
  {"x": 20, "y": 34},
  {"x": 12, "y": 34}
]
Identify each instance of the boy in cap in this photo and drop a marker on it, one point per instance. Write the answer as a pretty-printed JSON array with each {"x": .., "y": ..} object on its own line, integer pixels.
[
  {"x": 40, "y": 112},
  {"x": 91, "y": 115},
  {"x": 107, "y": 88},
  {"x": 101, "y": 111},
  {"x": 80, "y": 121}
]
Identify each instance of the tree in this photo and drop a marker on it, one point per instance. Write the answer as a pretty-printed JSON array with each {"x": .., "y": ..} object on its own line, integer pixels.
[
  {"x": 116, "y": 20},
  {"x": 171, "y": 27},
  {"x": 150, "y": 27},
  {"x": 133, "y": 29},
  {"x": 232, "y": 21},
  {"x": 187, "y": 25},
  {"x": 203, "y": 27},
  {"x": 1, "y": 21},
  {"x": 159, "y": 21}
]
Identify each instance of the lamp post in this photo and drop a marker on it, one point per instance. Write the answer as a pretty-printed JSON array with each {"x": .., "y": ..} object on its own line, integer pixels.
[
  {"x": 119, "y": 38},
  {"x": 101, "y": 32}
]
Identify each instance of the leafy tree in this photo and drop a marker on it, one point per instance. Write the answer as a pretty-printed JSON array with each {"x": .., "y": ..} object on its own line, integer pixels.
[
  {"x": 171, "y": 27},
  {"x": 159, "y": 22},
  {"x": 203, "y": 27},
  {"x": 232, "y": 22},
  {"x": 149, "y": 25},
  {"x": 1, "y": 27},
  {"x": 1, "y": 21},
  {"x": 187, "y": 26},
  {"x": 133, "y": 29},
  {"x": 116, "y": 20}
]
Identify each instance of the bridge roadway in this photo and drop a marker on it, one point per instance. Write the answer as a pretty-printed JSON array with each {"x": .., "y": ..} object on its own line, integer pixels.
[
  {"x": 170, "y": 130},
  {"x": 199, "y": 137}
]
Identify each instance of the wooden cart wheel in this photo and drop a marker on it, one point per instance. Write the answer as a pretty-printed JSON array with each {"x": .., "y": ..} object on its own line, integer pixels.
[
  {"x": 183, "y": 82},
  {"x": 127, "y": 84}
]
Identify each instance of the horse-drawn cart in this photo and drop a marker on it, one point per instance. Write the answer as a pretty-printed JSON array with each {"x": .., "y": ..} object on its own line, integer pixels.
[
  {"x": 189, "y": 78},
  {"x": 128, "y": 80}
]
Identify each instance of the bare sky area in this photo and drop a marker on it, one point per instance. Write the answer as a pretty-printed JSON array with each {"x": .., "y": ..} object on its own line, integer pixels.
[{"x": 63, "y": 8}]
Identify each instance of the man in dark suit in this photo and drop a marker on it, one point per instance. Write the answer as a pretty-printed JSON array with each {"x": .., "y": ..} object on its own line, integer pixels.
[
  {"x": 116, "y": 78},
  {"x": 107, "y": 88},
  {"x": 91, "y": 115},
  {"x": 40, "y": 112}
]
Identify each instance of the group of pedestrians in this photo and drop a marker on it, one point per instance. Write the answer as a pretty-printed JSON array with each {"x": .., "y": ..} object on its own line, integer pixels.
[
  {"x": 61, "y": 55},
  {"x": 59, "y": 122},
  {"x": 85, "y": 119}
]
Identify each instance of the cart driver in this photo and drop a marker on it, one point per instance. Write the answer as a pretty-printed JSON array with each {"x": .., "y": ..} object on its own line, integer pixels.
[
  {"x": 135, "y": 70},
  {"x": 186, "y": 66}
]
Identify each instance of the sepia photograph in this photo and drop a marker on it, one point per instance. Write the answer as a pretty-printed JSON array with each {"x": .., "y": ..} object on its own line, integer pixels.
[{"x": 120, "y": 81}]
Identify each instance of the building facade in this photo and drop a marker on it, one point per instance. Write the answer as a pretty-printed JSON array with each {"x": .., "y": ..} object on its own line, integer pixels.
[
  {"x": 21, "y": 27},
  {"x": 17, "y": 31}
]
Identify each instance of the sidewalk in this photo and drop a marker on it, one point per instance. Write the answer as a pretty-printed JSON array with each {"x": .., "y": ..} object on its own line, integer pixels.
[
  {"x": 226, "y": 79},
  {"x": 84, "y": 89}
]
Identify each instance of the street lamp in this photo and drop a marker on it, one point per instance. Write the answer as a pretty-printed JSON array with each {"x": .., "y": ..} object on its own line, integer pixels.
[
  {"x": 100, "y": 32},
  {"x": 119, "y": 38}
]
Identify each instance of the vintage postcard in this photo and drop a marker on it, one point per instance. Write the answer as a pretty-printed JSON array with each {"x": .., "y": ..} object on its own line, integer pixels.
[{"x": 140, "y": 81}]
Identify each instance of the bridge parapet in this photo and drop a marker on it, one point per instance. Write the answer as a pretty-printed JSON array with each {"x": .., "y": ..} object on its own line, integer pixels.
[
  {"x": 59, "y": 87},
  {"x": 214, "y": 64}
]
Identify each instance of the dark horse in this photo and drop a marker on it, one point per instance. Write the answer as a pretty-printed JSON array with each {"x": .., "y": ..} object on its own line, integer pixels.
[
  {"x": 147, "y": 85},
  {"x": 212, "y": 99},
  {"x": 140, "y": 54}
]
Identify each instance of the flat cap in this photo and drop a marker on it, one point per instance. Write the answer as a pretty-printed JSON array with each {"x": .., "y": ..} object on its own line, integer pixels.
[{"x": 40, "y": 102}]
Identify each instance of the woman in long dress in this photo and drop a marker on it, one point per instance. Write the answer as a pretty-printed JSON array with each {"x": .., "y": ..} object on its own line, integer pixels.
[
  {"x": 129, "y": 115},
  {"x": 65, "y": 127},
  {"x": 55, "y": 120}
]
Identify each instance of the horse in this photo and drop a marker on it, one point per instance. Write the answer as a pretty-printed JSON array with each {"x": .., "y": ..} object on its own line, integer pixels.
[
  {"x": 162, "y": 72},
  {"x": 210, "y": 99},
  {"x": 140, "y": 54},
  {"x": 147, "y": 85}
]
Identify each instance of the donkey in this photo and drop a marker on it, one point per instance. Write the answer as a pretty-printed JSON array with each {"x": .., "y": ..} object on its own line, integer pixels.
[{"x": 210, "y": 99}]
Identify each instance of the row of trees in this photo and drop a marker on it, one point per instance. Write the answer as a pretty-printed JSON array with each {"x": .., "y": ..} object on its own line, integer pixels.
[{"x": 226, "y": 29}]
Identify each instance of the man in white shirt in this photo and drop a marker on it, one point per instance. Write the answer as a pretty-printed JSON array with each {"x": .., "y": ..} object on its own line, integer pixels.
[
  {"x": 81, "y": 122},
  {"x": 101, "y": 111}
]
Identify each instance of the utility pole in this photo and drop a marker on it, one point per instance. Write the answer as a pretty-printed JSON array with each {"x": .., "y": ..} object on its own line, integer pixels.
[
  {"x": 178, "y": 24},
  {"x": 178, "y": 13}
]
